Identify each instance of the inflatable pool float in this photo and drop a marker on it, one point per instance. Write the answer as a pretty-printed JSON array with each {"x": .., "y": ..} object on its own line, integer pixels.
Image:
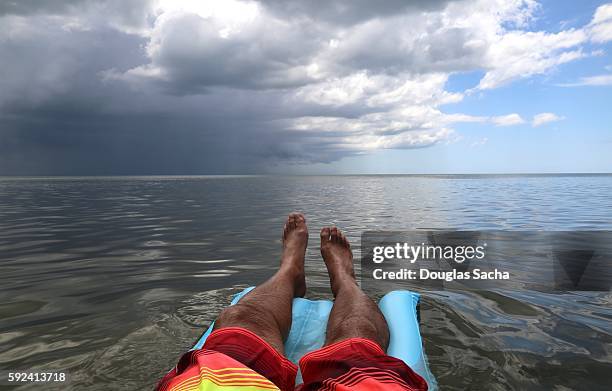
[{"x": 309, "y": 321}]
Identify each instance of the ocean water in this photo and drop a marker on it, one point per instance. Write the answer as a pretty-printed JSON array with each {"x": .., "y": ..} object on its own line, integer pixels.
[{"x": 111, "y": 279}]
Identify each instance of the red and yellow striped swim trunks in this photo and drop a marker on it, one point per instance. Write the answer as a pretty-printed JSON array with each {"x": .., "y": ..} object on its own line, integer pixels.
[
  {"x": 215, "y": 371},
  {"x": 232, "y": 359},
  {"x": 235, "y": 359}
]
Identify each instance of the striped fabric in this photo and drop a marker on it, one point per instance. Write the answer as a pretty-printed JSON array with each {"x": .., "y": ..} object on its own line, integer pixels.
[
  {"x": 357, "y": 364},
  {"x": 205, "y": 370}
]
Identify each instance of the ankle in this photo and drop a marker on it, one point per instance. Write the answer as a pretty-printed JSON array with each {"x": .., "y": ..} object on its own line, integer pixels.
[
  {"x": 293, "y": 271},
  {"x": 345, "y": 283}
]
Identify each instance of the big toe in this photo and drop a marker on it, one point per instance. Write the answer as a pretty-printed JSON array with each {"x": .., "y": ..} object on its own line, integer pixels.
[
  {"x": 300, "y": 219},
  {"x": 294, "y": 220},
  {"x": 291, "y": 220}
]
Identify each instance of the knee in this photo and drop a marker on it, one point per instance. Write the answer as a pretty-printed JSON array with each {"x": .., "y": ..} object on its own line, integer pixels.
[
  {"x": 241, "y": 315},
  {"x": 370, "y": 328},
  {"x": 233, "y": 315}
]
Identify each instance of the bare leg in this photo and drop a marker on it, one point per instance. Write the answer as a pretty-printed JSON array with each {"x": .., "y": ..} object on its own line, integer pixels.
[
  {"x": 266, "y": 310},
  {"x": 354, "y": 314}
]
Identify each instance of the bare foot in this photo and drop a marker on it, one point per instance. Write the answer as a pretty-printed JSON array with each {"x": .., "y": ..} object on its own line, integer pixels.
[
  {"x": 336, "y": 252},
  {"x": 295, "y": 241}
]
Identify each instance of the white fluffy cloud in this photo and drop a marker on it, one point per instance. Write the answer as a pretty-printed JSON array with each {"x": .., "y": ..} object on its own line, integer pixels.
[
  {"x": 508, "y": 120},
  {"x": 601, "y": 25},
  {"x": 519, "y": 54},
  {"x": 544, "y": 118}
]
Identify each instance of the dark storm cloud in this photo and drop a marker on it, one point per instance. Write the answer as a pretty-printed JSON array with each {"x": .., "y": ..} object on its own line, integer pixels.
[
  {"x": 132, "y": 14},
  {"x": 25, "y": 7},
  {"x": 61, "y": 115},
  {"x": 151, "y": 144}
]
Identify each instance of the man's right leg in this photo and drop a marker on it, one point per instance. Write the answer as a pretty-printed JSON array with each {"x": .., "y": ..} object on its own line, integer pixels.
[{"x": 354, "y": 314}]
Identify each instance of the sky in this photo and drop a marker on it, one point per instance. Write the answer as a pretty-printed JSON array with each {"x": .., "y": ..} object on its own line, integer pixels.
[{"x": 165, "y": 87}]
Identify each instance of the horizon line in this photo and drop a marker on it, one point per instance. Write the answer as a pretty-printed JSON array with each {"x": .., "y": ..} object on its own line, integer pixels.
[{"x": 307, "y": 175}]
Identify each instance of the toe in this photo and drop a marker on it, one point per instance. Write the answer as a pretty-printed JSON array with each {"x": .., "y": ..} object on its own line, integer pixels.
[
  {"x": 341, "y": 238},
  {"x": 291, "y": 221},
  {"x": 325, "y": 232},
  {"x": 334, "y": 234},
  {"x": 300, "y": 219}
]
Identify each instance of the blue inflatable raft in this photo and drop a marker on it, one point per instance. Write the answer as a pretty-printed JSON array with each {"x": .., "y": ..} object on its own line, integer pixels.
[{"x": 310, "y": 322}]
